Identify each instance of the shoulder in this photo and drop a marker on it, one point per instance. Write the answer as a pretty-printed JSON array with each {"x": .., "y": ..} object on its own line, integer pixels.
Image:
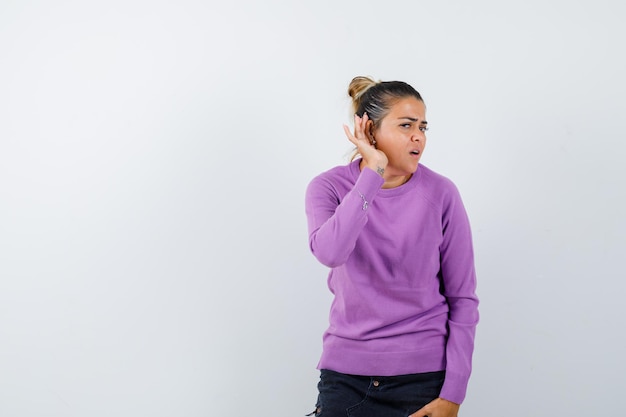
[
  {"x": 445, "y": 194},
  {"x": 337, "y": 171},
  {"x": 435, "y": 183},
  {"x": 441, "y": 191},
  {"x": 339, "y": 177}
]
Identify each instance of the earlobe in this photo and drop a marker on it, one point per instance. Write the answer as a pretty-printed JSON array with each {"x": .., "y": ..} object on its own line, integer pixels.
[{"x": 371, "y": 138}]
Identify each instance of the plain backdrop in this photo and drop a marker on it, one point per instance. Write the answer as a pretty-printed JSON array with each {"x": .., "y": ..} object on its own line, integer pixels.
[{"x": 154, "y": 155}]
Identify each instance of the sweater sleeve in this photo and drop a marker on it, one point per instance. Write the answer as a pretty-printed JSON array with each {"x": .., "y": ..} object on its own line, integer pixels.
[
  {"x": 459, "y": 286},
  {"x": 334, "y": 223}
]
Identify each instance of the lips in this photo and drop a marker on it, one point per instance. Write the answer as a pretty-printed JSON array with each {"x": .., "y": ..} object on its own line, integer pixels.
[{"x": 415, "y": 152}]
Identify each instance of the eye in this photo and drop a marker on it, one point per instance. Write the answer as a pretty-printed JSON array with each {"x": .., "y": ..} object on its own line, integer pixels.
[
  {"x": 405, "y": 125},
  {"x": 423, "y": 128}
]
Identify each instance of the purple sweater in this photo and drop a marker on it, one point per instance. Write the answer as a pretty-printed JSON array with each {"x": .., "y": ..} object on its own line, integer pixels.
[{"x": 402, "y": 274}]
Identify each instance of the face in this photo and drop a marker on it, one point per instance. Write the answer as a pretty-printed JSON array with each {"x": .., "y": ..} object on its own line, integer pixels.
[{"x": 402, "y": 135}]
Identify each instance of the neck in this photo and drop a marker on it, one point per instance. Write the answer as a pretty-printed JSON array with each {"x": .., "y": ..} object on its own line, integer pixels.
[{"x": 395, "y": 181}]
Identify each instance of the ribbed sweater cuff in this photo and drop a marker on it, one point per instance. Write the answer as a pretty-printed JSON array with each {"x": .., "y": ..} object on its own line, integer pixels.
[
  {"x": 368, "y": 184},
  {"x": 454, "y": 388}
]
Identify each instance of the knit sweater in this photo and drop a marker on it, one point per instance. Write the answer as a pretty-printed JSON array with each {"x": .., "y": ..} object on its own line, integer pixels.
[{"x": 401, "y": 271}]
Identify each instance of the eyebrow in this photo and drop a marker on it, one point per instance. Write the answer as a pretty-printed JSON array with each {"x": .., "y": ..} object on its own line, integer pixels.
[{"x": 423, "y": 122}]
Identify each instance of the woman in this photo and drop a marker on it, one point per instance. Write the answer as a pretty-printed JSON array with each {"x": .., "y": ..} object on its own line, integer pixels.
[{"x": 397, "y": 239}]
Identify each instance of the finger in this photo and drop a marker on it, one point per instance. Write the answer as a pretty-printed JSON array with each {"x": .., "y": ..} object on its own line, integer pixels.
[
  {"x": 364, "y": 120},
  {"x": 358, "y": 138},
  {"x": 364, "y": 124},
  {"x": 350, "y": 136},
  {"x": 358, "y": 132}
]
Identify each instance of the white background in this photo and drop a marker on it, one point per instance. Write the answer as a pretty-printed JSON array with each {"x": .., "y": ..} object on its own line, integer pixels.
[{"x": 153, "y": 160}]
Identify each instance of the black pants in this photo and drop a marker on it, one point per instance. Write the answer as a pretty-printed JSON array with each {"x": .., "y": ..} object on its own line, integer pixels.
[{"x": 342, "y": 395}]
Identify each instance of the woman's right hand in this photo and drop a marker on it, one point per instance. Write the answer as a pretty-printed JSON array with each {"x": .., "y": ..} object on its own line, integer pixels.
[{"x": 373, "y": 158}]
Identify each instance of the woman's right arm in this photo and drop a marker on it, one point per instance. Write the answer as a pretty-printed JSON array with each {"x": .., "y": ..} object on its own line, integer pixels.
[{"x": 334, "y": 223}]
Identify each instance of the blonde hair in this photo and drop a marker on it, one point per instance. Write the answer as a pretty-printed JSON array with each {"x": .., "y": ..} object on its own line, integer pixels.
[{"x": 358, "y": 86}]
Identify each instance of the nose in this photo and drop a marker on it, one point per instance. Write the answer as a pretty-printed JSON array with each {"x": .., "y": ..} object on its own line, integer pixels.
[{"x": 418, "y": 136}]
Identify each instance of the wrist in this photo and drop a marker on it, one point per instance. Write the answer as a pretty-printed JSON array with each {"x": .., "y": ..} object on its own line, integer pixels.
[{"x": 377, "y": 168}]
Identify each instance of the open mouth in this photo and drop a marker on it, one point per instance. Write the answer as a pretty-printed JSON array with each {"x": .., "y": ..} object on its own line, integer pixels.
[{"x": 417, "y": 152}]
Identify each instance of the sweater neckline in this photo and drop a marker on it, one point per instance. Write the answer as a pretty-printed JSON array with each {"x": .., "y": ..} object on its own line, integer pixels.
[{"x": 391, "y": 192}]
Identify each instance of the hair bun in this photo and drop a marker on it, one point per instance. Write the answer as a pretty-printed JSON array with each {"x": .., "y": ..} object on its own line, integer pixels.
[{"x": 359, "y": 85}]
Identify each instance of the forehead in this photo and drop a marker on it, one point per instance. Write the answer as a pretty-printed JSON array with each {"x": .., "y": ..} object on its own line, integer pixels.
[{"x": 407, "y": 107}]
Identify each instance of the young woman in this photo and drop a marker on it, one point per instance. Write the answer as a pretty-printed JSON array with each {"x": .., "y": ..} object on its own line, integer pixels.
[{"x": 397, "y": 240}]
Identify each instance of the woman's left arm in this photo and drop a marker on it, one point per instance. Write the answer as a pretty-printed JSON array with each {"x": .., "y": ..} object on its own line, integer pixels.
[{"x": 458, "y": 277}]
